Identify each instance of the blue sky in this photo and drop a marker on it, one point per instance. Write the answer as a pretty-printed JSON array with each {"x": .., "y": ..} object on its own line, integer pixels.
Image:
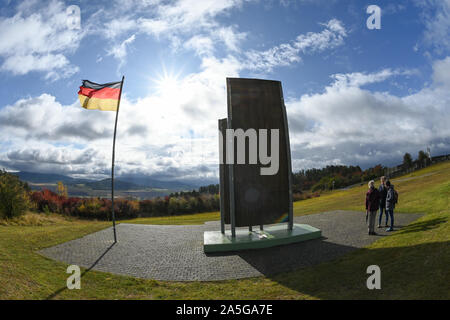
[{"x": 354, "y": 96}]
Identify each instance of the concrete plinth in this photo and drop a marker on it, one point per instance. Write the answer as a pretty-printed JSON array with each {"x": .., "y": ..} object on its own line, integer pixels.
[{"x": 275, "y": 235}]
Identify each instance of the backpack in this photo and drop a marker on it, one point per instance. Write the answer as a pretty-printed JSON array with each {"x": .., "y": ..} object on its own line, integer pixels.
[{"x": 395, "y": 196}]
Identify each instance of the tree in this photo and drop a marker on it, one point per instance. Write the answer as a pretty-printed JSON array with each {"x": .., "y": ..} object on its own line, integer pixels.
[
  {"x": 422, "y": 158},
  {"x": 62, "y": 189},
  {"x": 407, "y": 160},
  {"x": 14, "y": 199}
]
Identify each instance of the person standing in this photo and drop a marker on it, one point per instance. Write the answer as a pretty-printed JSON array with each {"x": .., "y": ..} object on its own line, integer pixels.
[
  {"x": 383, "y": 193},
  {"x": 391, "y": 199},
  {"x": 372, "y": 205}
]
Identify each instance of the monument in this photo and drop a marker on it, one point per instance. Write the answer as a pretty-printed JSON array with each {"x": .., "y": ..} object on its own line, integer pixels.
[{"x": 255, "y": 171}]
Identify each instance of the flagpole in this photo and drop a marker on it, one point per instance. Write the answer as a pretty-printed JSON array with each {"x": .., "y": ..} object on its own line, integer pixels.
[{"x": 112, "y": 167}]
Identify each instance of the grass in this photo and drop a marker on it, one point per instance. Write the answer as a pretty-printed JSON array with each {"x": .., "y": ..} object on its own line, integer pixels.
[
  {"x": 35, "y": 219},
  {"x": 414, "y": 261},
  {"x": 197, "y": 218}
]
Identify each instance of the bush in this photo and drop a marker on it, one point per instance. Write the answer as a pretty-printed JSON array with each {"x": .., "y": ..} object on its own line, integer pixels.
[
  {"x": 14, "y": 199},
  {"x": 100, "y": 208}
]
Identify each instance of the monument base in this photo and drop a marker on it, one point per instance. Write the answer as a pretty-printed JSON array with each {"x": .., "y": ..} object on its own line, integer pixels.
[{"x": 274, "y": 235}]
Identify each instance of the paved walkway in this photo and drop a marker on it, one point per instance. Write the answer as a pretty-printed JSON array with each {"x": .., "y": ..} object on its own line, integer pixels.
[{"x": 176, "y": 252}]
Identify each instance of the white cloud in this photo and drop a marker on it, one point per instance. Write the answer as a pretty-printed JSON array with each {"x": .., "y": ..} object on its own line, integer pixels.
[
  {"x": 357, "y": 126},
  {"x": 175, "y": 136},
  {"x": 358, "y": 79},
  {"x": 167, "y": 19},
  {"x": 205, "y": 44},
  {"x": 120, "y": 51},
  {"x": 441, "y": 73},
  {"x": 202, "y": 45},
  {"x": 43, "y": 118},
  {"x": 156, "y": 135},
  {"x": 230, "y": 37},
  {"x": 117, "y": 27},
  {"x": 38, "y": 40},
  {"x": 194, "y": 20},
  {"x": 55, "y": 65},
  {"x": 436, "y": 16},
  {"x": 287, "y": 53}
]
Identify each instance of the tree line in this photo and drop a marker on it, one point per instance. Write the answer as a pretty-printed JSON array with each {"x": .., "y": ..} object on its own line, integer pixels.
[
  {"x": 16, "y": 198},
  {"x": 423, "y": 159}
]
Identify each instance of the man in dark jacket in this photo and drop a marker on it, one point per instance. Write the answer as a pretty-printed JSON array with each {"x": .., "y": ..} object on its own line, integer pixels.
[
  {"x": 383, "y": 193},
  {"x": 390, "y": 203},
  {"x": 372, "y": 205}
]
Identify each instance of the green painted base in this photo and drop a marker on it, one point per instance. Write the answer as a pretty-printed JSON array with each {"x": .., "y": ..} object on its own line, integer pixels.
[{"x": 275, "y": 235}]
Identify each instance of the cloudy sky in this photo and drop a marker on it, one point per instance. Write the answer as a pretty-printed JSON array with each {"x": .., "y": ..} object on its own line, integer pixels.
[{"x": 354, "y": 96}]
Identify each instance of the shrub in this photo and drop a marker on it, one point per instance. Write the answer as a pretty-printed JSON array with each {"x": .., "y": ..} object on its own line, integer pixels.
[
  {"x": 47, "y": 200},
  {"x": 14, "y": 199}
]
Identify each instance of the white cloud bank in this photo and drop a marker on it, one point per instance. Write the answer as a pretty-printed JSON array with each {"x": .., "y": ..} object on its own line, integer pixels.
[
  {"x": 348, "y": 124},
  {"x": 38, "y": 39},
  {"x": 175, "y": 136}
]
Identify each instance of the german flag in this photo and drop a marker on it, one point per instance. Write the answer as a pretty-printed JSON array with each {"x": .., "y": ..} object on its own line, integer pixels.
[{"x": 103, "y": 97}]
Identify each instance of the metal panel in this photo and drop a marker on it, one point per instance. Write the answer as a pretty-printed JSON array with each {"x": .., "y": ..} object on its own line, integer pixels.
[
  {"x": 224, "y": 178},
  {"x": 258, "y": 199}
]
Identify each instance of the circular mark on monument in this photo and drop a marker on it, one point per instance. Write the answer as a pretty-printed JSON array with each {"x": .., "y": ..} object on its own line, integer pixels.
[{"x": 251, "y": 195}]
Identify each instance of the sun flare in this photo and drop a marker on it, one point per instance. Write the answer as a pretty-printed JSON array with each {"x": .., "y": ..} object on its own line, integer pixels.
[{"x": 167, "y": 85}]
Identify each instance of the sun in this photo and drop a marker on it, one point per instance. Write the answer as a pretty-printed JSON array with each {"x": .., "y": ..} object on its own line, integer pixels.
[{"x": 167, "y": 84}]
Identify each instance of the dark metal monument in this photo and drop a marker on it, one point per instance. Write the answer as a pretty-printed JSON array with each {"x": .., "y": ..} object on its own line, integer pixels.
[
  {"x": 255, "y": 170},
  {"x": 258, "y": 199}
]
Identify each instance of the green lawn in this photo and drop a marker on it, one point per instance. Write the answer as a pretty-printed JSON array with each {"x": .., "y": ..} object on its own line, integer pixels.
[{"x": 414, "y": 261}]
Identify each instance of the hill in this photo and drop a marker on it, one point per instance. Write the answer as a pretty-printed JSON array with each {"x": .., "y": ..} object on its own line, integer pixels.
[
  {"x": 153, "y": 183},
  {"x": 50, "y": 178},
  {"x": 105, "y": 184},
  {"x": 142, "y": 187},
  {"x": 134, "y": 182}
]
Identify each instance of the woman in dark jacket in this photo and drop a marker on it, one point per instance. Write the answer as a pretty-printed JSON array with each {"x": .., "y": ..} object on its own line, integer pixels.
[
  {"x": 390, "y": 203},
  {"x": 383, "y": 193},
  {"x": 372, "y": 205}
]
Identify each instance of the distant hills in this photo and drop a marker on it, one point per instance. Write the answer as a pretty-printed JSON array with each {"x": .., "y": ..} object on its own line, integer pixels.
[
  {"x": 35, "y": 177},
  {"x": 105, "y": 184},
  {"x": 152, "y": 183},
  {"x": 127, "y": 186},
  {"x": 121, "y": 182}
]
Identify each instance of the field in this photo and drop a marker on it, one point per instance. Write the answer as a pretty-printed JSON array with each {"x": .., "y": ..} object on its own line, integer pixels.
[{"x": 414, "y": 261}]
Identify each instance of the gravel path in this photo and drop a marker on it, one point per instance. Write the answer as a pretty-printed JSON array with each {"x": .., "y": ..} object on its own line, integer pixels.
[{"x": 175, "y": 253}]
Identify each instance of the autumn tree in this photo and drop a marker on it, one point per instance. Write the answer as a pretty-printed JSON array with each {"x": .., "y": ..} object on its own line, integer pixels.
[
  {"x": 14, "y": 199},
  {"x": 61, "y": 189}
]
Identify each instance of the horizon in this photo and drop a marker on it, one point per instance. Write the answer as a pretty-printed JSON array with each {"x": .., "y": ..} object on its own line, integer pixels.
[
  {"x": 354, "y": 96},
  {"x": 196, "y": 184}
]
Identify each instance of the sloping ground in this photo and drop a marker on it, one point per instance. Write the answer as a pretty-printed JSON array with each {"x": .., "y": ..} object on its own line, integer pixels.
[{"x": 414, "y": 261}]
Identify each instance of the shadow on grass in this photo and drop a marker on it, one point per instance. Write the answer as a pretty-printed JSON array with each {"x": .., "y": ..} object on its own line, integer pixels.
[
  {"x": 328, "y": 270},
  {"x": 423, "y": 225},
  {"x": 410, "y": 272},
  {"x": 57, "y": 292}
]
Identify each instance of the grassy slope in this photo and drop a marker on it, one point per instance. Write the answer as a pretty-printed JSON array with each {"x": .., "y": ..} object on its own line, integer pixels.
[{"x": 414, "y": 261}]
